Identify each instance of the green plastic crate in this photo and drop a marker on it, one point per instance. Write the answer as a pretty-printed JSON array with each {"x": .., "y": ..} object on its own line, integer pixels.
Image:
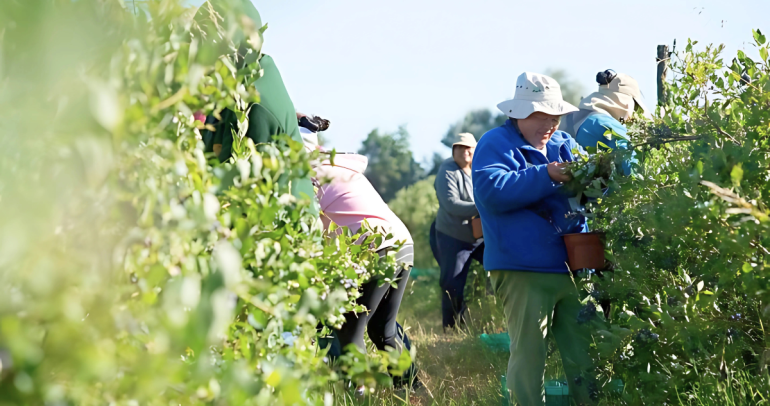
[
  {"x": 417, "y": 272},
  {"x": 496, "y": 342},
  {"x": 504, "y": 390},
  {"x": 556, "y": 393},
  {"x": 616, "y": 385}
]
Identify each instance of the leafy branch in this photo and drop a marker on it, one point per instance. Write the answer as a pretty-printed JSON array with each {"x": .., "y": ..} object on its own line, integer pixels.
[{"x": 742, "y": 205}]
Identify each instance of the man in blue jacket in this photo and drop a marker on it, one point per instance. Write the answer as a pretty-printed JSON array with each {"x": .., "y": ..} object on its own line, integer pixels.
[{"x": 518, "y": 170}]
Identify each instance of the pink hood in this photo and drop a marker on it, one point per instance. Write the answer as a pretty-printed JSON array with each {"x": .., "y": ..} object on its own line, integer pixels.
[{"x": 347, "y": 198}]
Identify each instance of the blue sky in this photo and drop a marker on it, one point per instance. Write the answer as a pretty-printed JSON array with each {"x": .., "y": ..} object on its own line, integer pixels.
[{"x": 424, "y": 64}]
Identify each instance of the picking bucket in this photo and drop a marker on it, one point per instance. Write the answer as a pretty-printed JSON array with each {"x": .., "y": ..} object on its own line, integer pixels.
[
  {"x": 585, "y": 250},
  {"x": 476, "y": 224}
]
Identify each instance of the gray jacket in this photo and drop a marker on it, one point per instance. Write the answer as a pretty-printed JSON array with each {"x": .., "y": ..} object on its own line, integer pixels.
[{"x": 454, "y": 189}]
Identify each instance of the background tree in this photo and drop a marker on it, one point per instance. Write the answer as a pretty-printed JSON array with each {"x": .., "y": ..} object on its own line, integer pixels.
[
  {"x": 416, "y": 206},
  {"x": 391, "y": 163},
  {"x": 571, "y": 89},
  {"x": 435, "y": 161},
  {"x": 476, "y": 122}
]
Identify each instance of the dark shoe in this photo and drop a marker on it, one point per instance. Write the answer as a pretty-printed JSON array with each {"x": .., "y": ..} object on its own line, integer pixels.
[
  {"x": 404, "y": 390},
  {"x": 410, "y": 381},
  {"x": 360, "y": 392}
]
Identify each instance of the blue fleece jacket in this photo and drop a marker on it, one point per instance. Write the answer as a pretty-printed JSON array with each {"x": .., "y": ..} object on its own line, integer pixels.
[
  {"x": 591, "y": 132},
  {"x": 522, "y": 210}
]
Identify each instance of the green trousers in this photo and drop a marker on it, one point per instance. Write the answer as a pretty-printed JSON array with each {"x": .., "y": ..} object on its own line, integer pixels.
[{"x": 536, "y": 305}]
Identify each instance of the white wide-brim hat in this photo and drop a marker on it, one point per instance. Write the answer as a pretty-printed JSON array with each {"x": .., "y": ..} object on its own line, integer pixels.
[{"x": 535, "y": 92}]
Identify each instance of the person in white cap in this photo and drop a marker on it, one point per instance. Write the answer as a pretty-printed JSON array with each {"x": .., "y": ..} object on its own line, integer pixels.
[
  {"x": 456, "y": 243},
  {"x": 518, "y": 171},
  {"x": 616, "y": 101}
]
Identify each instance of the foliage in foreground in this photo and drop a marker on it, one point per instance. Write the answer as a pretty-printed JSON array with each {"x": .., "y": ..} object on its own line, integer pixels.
[
  {"x": 134, "y": 270},
  {"x": 689, "y": 237}
]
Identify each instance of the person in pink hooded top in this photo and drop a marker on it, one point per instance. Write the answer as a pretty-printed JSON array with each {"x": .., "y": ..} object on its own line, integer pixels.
[{"x": 347, "y": 198}]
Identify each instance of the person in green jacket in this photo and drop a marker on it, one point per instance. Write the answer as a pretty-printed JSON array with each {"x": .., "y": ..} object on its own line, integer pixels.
[{"x": 274, "y": 114}]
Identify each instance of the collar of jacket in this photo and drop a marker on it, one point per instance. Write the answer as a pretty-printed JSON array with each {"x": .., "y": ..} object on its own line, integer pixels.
[
  {"x": 354, "y": 162},
  {"x": 553, "y": 146},
  {"x": 452, "y": 164}
]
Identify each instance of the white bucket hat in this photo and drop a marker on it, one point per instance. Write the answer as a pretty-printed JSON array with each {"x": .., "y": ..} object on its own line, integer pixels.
[{"x": 536, "y": 92}]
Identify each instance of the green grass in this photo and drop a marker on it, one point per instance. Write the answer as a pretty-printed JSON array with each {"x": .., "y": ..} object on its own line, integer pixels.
[
  {"x": 458, "y": 370},
  {"x": 455, "y": 367},
  {"x": 737, "y": 390}
]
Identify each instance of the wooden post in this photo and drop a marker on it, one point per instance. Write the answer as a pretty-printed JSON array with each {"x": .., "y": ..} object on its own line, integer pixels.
[{"x": 663, "y": 59}]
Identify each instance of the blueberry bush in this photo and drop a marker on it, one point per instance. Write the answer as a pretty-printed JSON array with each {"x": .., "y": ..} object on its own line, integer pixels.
[
  {"x": 135, "y": 268},
  {"x": 688, "y": 299}
]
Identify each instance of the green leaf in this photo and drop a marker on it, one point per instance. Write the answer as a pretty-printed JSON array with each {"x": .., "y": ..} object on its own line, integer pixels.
[
  {"x": 329, "y": 250},
  {"x": 303, "y": 281},
  {"x": 763, "y": 53},
  {"x": 593, "y": 192},
  {"x": 403, "y": 363},
  {"x": 245, "y": 346},
  {"x": 351, "y": 273},
  {"x": 759, "y": 37},
  {"x": 257, "y": 319},
  {"x": 736, "y": 175},
  {"x": 603, "y": 145},
  {"x": 274, "y": 379},
  {"x": 636, "y": 323}
]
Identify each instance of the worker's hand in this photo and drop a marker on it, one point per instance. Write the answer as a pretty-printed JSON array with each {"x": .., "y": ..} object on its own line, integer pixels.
[{"x": 559, "y": 172}]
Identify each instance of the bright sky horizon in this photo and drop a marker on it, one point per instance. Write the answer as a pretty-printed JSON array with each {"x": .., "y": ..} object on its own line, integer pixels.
[{"x": 425, "y": 64}]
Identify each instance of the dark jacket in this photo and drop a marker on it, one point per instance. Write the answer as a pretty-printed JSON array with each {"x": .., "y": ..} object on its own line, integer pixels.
[
  {"x": 454, "y": 190},
  {"x": 274, "y": 114},
  {"x": 523, "y": 212}
]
